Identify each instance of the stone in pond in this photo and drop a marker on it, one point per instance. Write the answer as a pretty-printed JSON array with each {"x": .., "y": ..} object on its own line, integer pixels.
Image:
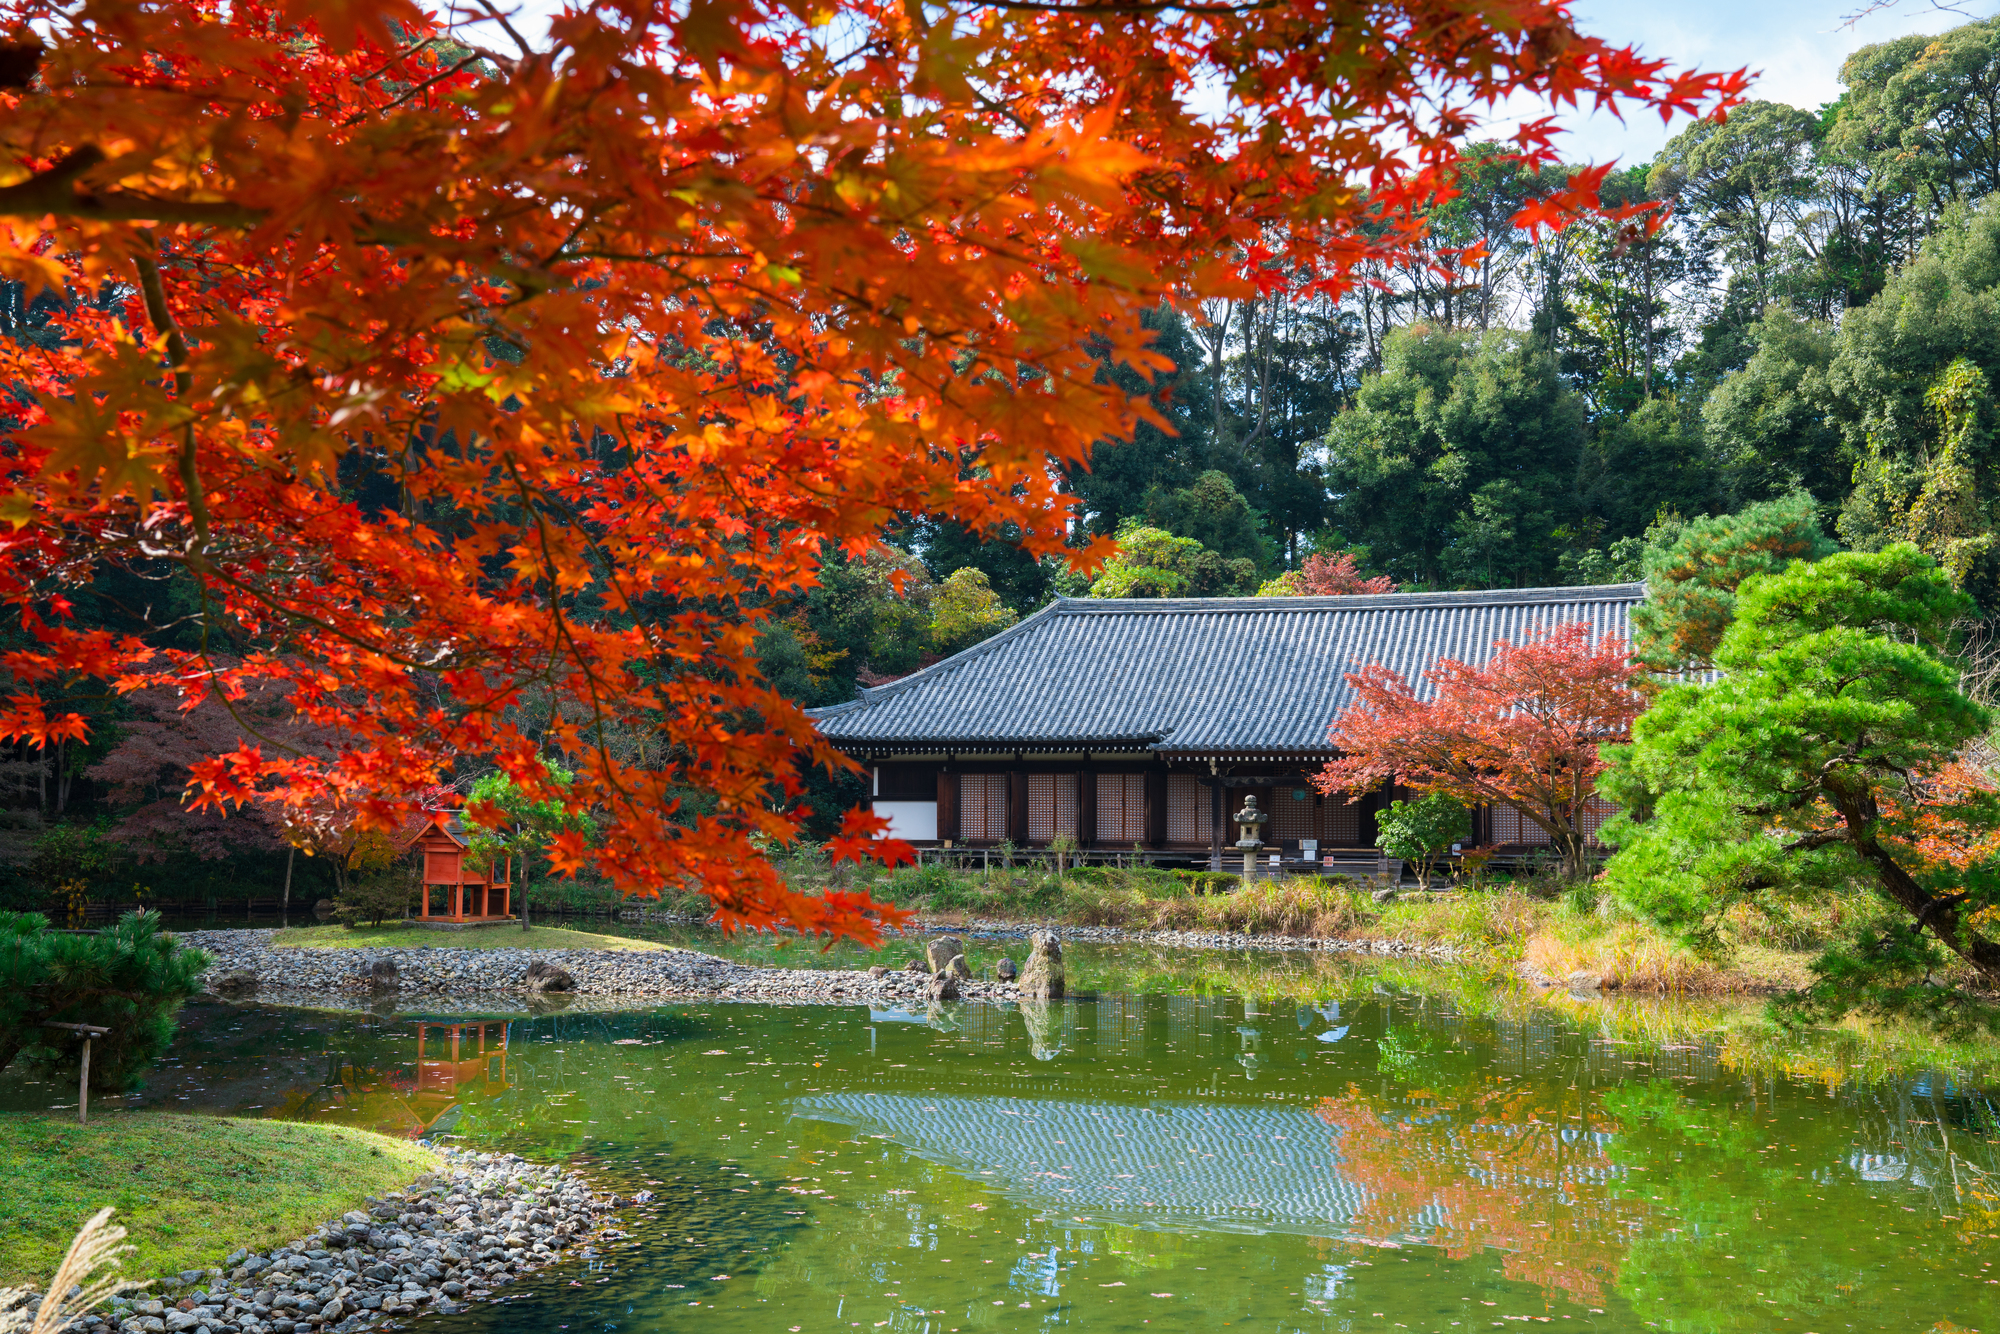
[
  {"x": 1005, "y": 970},
  {"x": 915, "y": 966},
  {"x": 939, "y": 952},
  {"x": 382, "y": 976},
  {"x": 235, "y": 982},
  {"x": 545, "y": 976},
  {"x": 1042, "y": 978},
  {"x": 944, "y": 985}
]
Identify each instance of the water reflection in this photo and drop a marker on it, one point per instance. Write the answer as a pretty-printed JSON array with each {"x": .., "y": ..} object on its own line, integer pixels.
[{"x": 1155, "y": 1162}]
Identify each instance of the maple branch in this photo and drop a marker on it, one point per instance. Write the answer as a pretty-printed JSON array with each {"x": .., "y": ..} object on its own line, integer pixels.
[
  {"x": 157, "y": 310},
  {"x": 401, "y": 55},
  {"x": 55, "y": 192},
  {"x": 527, "y": 52},
  {"x": 427, "y": 84}
]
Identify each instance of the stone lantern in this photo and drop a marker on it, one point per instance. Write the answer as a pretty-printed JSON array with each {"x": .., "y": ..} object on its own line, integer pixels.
[{"x": 1252, "y": 821}]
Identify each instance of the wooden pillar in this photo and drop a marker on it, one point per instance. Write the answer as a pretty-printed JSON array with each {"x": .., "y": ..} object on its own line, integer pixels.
[
  {"x": 507, "y": 891},
  {"x": 947, "y": 805},
  {"x": 1086, "y": 806},
  {"x": 1219, "y": 818},
  {"x": 1155, "y": 827},
  {"x": 458, "y": 888}
]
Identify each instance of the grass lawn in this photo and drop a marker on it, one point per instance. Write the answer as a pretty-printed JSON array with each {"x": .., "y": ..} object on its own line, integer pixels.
[
  {"x": 189, "y": 1189},
  {"x": 474, "y": 938}
]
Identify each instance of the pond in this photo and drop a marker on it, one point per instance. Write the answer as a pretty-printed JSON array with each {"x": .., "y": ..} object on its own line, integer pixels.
[{"x": 1375, "y": 1157}]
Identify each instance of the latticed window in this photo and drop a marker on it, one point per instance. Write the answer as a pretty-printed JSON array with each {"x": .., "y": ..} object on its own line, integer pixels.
[
  {"x": 1051, "y": 806},
  {"x": 1510, "y": 826},
  {"x": 1339, "y": 822},
  {"x": 1292, "y": 813},
  {"x": 1121, "y": 808},
  {"x": 1190, "y": 816},
  {"x": 1596, "y": 810},
  {"x": 982, "y": 807}
]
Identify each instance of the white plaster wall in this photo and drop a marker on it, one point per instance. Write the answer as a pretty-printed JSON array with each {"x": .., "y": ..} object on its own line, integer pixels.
[{"x": 916, "y": 820}]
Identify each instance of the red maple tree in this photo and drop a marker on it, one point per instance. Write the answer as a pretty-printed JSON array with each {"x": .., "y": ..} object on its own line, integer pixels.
[
  {"x": 452, "y": 375},
  {"x": 1323, "y": 576},
  {"x": 1493, "y": 1167},
  {"x": 1524, "y": 729}
]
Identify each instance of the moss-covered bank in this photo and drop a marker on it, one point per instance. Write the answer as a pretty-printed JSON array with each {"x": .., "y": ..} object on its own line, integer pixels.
[{"x": 189, "y": 1189}]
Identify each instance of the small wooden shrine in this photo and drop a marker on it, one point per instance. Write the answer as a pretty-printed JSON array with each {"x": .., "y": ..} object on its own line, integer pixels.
[{"x": 470, "y": 896}]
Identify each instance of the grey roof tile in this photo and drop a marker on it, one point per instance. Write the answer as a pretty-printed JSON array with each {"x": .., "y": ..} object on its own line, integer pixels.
[{"x": 1197, "y": 675}]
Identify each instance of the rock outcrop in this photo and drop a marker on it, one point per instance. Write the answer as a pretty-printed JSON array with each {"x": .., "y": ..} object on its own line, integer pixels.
[
  {"x": 1042, "y": 977},
  {"x": 544, "y": 976}
]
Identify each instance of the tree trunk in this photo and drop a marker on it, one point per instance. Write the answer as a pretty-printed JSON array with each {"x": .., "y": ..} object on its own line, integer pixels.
[
  {"x": 285, "y": 909},
  {"x": 1941, "y": 915},
  {"x": 11, "y": 1044}
]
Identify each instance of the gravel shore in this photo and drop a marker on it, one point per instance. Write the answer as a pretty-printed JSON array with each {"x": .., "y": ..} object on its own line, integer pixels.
[
  {"x": 994, "y": 929},
  {"x": 667, "y": 973},
  {"x": 446, "y": 1242}
]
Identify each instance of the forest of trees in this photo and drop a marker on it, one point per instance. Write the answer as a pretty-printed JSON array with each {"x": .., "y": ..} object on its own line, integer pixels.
[{"x": 1820, "y": 313}]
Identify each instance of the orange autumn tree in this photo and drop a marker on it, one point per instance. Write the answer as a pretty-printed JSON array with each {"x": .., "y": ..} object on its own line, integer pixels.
[
  {"x": 1522, "y": 729},
  {"x": 452, "y": 375}
]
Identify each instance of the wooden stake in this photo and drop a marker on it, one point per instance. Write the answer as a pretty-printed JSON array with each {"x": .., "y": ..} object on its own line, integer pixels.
[{"x": 87, "y": 1031}]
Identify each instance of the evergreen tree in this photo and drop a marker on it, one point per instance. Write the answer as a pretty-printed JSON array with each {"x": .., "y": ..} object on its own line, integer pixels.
[
  {"x": 1459, "y": 462},
  {"x": 1693, "y": 574},
  {"x": 1818, "y": 759}
]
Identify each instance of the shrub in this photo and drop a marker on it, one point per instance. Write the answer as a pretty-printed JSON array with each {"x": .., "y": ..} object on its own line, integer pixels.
[
  {"x": 376, "y": 896},
  {"x": 1419, "y": 831},
  {"x": 130, "y": 979},
  {"x": 932, "y": 880}
]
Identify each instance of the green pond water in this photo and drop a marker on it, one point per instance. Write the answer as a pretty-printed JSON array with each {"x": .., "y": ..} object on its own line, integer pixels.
[{"x": 1356, "y": 1153}]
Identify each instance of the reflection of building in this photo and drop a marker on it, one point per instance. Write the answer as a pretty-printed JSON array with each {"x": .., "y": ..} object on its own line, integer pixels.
[
  {"x": 455, "y": 1063},
  {"x": 1258, "y": 1168}
]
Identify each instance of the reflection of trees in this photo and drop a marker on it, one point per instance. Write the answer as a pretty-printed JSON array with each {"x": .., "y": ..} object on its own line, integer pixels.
[
  {"x": 453, "y": 1063},
  {"x": 1518, "y": 1168}
]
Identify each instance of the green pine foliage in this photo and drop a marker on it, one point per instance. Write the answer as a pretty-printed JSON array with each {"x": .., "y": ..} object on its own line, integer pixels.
[
  {"x": 1809, "y": 766},
  {"x": 131, "y": 978},
  {"x": 1692, "y": 576}
]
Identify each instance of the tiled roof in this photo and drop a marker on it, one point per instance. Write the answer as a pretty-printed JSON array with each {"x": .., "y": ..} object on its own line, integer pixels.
[{"x": 1197, "y": 676}]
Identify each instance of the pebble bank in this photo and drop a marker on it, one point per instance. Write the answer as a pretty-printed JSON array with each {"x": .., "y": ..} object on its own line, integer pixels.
[
  {"x": 448, "y": 972},
  {"x": 450, "y": 1240}
]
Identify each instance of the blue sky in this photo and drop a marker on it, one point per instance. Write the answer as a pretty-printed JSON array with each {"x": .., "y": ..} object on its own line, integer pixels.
[{"x": 1796, "y": 45}]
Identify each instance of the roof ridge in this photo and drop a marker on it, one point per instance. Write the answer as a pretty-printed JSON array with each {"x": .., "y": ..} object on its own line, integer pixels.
[
  {"x": 1478, "y": 597},
  {"x": 937, "y": 670}
]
